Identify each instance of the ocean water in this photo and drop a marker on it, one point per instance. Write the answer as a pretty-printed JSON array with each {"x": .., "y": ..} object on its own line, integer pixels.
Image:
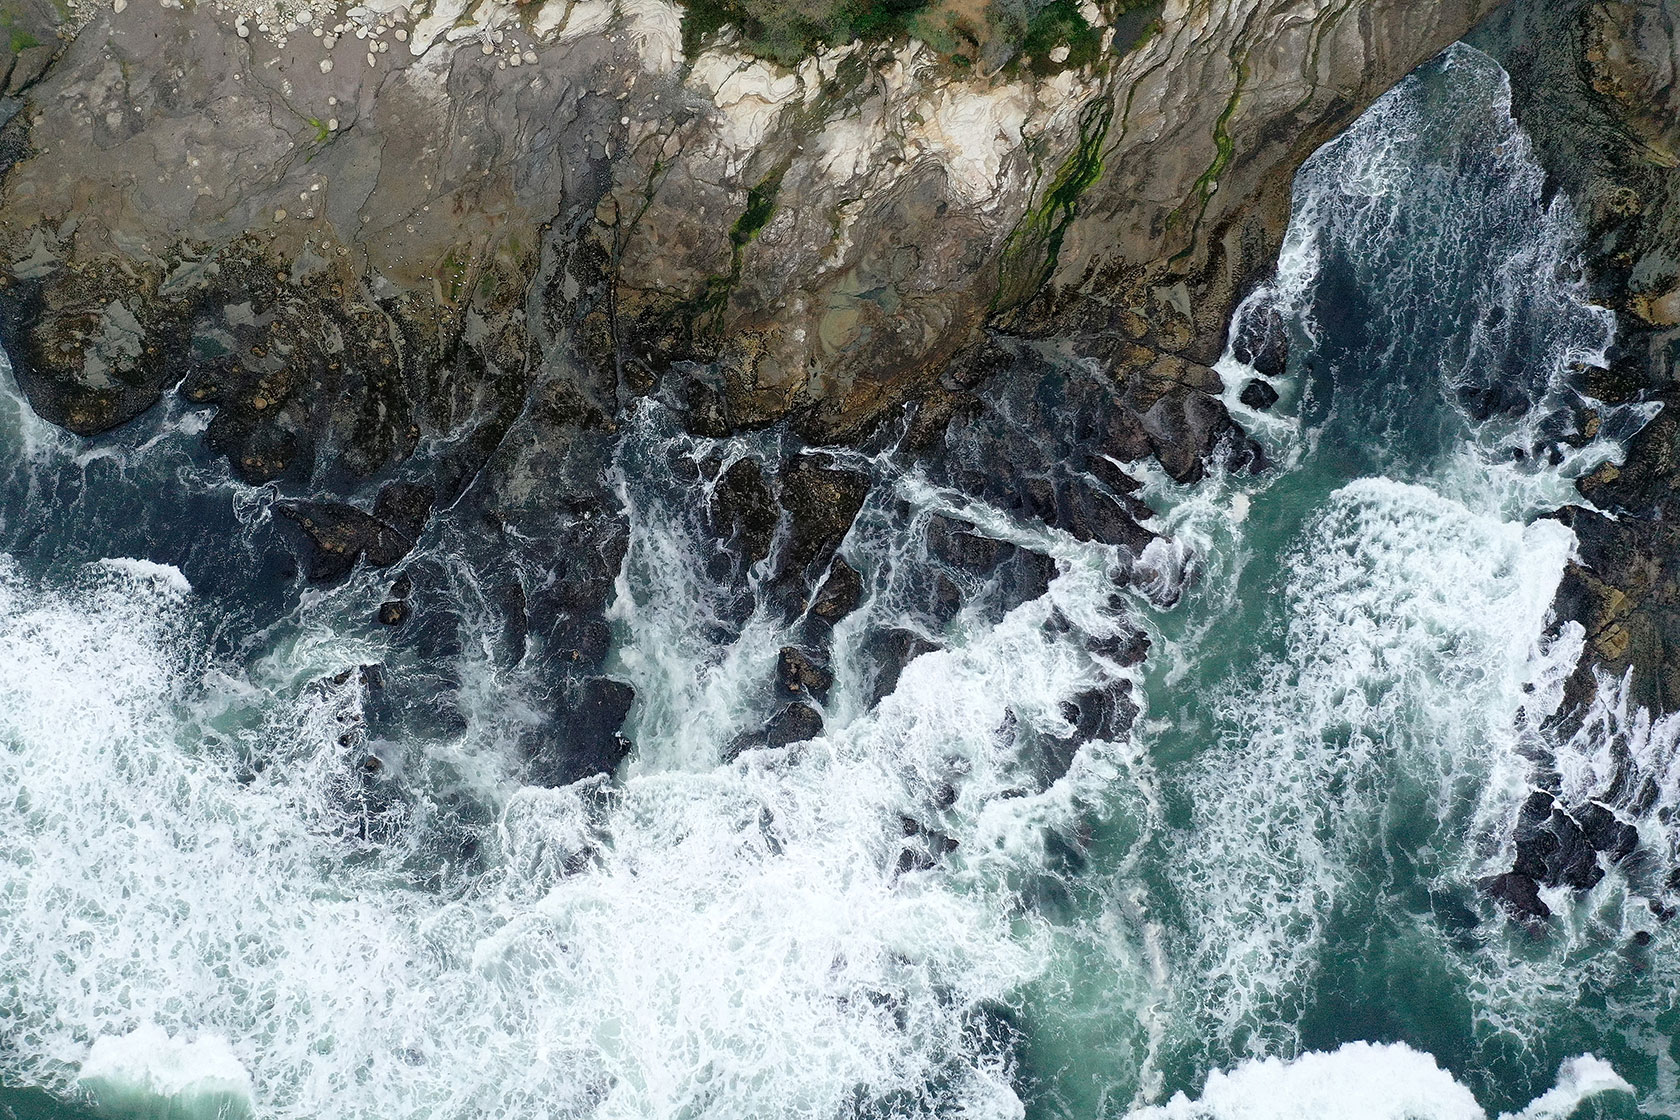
[{"x": 1256, "y": 901}]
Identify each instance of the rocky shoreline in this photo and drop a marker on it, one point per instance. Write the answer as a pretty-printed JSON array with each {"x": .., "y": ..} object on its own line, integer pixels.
[
  {"x": 421, "y": 261},
  {"x": 1595, "y": 86}
]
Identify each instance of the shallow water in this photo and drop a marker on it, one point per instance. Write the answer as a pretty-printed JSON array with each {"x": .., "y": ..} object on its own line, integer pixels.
[{"x": 207, "y": 908}]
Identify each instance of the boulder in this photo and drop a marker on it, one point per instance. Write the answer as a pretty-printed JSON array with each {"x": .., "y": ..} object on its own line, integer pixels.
[
  {"x": 838, "y": 594},
  {"x": 743, "y": 509},
  {"x": 337, "y": 534},
  {"x": 1258, "y": 395},
  {"x": 585, "y": 738},
  {"x": 821, "y": 502}
]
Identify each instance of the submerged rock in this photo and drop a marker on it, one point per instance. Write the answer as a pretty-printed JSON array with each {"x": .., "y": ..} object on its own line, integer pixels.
[{"x": 337, "y": 535}]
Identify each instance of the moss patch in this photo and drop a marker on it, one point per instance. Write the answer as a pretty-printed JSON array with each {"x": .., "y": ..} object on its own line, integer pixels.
[
  {"x": 1057, "y": 24},
  {"x": 1030, "y": 254},
  {"x": 1014, "y": 33},
  {"x": 786, "y": 32},
  {"x": 18, "y": 38}
]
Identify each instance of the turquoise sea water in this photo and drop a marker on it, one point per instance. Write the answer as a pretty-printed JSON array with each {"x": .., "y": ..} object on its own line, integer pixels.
[{"x": 1261, "y": 897}]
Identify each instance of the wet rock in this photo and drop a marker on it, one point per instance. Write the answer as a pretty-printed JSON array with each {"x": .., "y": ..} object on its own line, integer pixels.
[
  {"x": 744, "y": 510},
  {"x": 1601, "y": 829},
  {"x": 1183, "y": 427},
  {"x": 394, "y": 612},
  {"x": 585, "y": 738},
  {"x": 1101, "y": 713},
  {"x": 1258, "y": 394},
  {"x": 1124, "y": 649},
  {"x": 822, "y": 502},
  {"x": 923, "y": 848},
  {"x": 337, "y": 534},
  {"x": 1551, "y": 848},
  {"x": 1518, "y": 893},
  {"x": 793, "y": 723},
  {"x": 891, "y": 651},
  {"x": 968, "y": 567},
  {"x": 800, "y": 674},
  {"x": 1263, "y": 342},
  {"x": 1088, "y": 514},
  {"x": 839, "y": 593}
]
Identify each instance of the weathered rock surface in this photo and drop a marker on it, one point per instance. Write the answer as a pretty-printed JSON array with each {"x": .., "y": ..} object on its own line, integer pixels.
[{"x": 413, "y": 229}]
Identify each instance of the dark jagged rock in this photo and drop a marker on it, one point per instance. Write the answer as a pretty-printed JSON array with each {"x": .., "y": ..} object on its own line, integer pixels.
[
  {"x": 799, "y": 674},
  {"x": 1034, "y": 442},
  {"x": 394, "y": 612},
  {"x": 970, "y": 567},
  {"x": 744, "y": 510},
  {"x": 1124, "y": 649},
  {"x": 337, "y": 535},
  {"x": 1101, "y": 713},
  {"x": 1592, "y": 83},
  {"x": 793, "y": 723},
  {"x": 1518, "y": 893},
  {"x": 1551, "y": 848},
  {"x": 1258, "y": 394},
  {"x": 923, "y": 848},
  {"x": 583, "y": 739},
  {"x": 1615, "y": 838},
  {"x": 891, "y": 651},
  {"x": 821, "y": 502},
  {"x": 839, "y": 593},
  {"x": 1262, "y": 341},
  {"x": 1183, "y": 427}
]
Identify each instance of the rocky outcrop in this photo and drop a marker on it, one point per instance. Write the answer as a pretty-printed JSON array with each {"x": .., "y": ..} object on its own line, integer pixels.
[{"x": 1595, "y": 84}]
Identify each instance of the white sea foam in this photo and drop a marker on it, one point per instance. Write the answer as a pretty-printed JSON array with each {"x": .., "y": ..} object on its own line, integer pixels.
[
  {"x": 732, "y": 941},
  {"x": 149, "y": 1073},
  {"x": 1411, "y": 625},
  {"x": 1369, "y": 1081},
  {"x": 166, "y": 574}
]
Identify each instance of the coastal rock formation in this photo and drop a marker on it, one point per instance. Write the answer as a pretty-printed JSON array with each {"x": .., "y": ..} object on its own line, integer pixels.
[
  {"x": 440, "y": 250},
  {"x": 1595, "y": 85},
  {"x": 384, "y": 225}
]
